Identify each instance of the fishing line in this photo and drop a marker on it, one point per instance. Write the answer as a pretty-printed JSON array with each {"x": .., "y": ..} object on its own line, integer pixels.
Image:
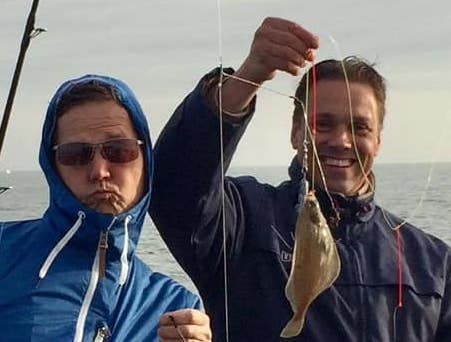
[
  {"x": 399, "y": 249},
  {"x": 432, "y": 164},
  {"x": 390, "y": 224},
  {"x": 260, "y": 86},
  {"x": 397, "y": 228},
  {"x": 311, "y": 133},
  {"x": 221, "y": 142},
  {"x": 306, "y": 127},
  {"x": 177, "y": 328},
  {"x": 304, "y": 107},
  {"x": 314, "y": 121},
  {"x": 351, "y": 115}
]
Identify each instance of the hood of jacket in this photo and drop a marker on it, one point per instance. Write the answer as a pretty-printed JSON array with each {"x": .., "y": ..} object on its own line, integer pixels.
[{"x": 64, "y": 208}]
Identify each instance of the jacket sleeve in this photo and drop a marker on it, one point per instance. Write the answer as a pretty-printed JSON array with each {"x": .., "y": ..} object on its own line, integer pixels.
[
  {"x": 444, "y": 324},
  {"x": 186, "y": 196}
]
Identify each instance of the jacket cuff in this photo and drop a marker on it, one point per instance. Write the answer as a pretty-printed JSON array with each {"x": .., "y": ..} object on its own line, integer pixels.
[{"x": 209, "y": 84}]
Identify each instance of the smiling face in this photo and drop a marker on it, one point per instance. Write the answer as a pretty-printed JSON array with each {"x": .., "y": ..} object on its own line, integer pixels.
[
  {"x": 102, "y": 185},
  {"x": 334, "y": 135}
]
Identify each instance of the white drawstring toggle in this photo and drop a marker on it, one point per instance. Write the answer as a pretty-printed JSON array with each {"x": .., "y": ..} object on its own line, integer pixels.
[{"x": 124, "y": 255}]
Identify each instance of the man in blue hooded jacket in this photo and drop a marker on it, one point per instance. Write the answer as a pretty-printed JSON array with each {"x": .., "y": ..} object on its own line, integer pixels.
[
  {"x": 73, "y": 274},
  {"x": 394, "y": 284}
]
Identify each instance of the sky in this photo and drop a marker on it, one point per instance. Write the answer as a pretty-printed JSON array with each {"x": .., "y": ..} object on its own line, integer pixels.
[{"x": 161, "y": 48}]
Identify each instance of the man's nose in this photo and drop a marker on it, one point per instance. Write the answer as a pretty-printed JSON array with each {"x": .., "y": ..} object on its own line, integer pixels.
[
  {"x": 341, "y": 137},
  {"x": 99, "y": 166}
]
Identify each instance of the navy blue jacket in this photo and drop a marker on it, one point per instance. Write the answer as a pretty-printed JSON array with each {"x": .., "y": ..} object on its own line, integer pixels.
[
  {"x": 50, "y": 288},
  {"x": 362, "y": 303}
]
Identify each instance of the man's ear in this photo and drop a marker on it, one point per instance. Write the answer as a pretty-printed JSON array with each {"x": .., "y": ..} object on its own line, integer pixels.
[{"x": 378, "y": 147}]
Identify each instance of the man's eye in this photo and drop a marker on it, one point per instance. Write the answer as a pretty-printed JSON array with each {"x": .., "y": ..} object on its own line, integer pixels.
[
  {"x": 360, "y": 125},
  {"x": 323, "y": 126},
  {"x": 362, "y": 128}
]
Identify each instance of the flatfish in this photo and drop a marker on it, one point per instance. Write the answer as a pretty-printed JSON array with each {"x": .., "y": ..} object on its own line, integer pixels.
[{"x": 315, "y": 266}]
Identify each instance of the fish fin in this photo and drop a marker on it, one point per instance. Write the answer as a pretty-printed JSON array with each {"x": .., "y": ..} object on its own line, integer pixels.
[{"x": 293, "y": 327}]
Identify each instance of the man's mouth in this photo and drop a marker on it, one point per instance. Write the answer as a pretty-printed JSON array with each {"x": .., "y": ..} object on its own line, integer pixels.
[
  {"x": 334, "y": 162},
  {"x": 102, "y": 194}
]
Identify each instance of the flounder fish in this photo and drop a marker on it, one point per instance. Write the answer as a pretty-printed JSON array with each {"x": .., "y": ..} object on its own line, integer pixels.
[{"x": 316, "y": 264}]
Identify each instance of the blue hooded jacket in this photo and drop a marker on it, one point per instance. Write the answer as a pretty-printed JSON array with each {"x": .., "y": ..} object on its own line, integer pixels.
[{"x": 50, "y": 289}]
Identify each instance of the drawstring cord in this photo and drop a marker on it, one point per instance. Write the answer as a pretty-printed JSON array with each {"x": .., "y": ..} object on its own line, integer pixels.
[
  {"x": 124, "y": 255},
  {"x": 60, "y": 245},
  {"x": 71, "y": 232}
]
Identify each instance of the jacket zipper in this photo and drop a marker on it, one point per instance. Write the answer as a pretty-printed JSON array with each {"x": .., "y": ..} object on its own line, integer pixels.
[{"x": 96, "y": 268}]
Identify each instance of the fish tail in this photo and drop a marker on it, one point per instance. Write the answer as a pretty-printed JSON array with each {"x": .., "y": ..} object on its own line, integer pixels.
[{"x": 293, "y": 327}]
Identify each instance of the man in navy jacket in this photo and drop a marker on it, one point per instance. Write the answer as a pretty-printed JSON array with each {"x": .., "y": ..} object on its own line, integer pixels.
[{"x": 380, "y": 294}]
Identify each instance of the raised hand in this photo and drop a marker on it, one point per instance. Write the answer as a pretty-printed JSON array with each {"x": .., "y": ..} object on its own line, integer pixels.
[{"x": 278, "y": 44}]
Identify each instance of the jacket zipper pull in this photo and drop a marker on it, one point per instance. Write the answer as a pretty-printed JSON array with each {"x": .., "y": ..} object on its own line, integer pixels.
[
  {"x": 103, "y": 246},
  {"x": 102, "y": 334}
]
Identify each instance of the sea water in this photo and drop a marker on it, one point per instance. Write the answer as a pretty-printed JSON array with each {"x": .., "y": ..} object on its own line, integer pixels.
[{"x": 420, "y": 193}]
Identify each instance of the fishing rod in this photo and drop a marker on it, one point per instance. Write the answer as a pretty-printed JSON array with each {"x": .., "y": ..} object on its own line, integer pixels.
[{"x": 29, "y": 33}]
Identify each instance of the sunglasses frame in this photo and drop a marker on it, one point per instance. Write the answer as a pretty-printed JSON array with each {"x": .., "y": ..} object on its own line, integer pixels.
[{"x": 93, "y": 148}]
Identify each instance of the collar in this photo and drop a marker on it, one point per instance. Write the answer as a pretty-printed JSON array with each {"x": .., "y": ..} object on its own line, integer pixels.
[{"x": 336, "y": 207}]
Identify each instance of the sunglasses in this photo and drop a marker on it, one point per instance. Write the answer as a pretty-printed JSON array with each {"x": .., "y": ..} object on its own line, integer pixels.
[{"x": 115, "y": 151}]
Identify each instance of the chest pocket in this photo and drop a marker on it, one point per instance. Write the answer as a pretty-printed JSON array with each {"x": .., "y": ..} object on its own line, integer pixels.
[
  {"x": 374, "y": 262},
  {"x": 369, "y": 280},
  {"x": 270, "y": 233},
  {"x": 367, "y": 292}
]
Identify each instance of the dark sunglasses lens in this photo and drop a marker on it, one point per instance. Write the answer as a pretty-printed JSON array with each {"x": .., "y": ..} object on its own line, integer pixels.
[
  {"x": 74, "y": 154},
  {"x": 121, "y": 151}
]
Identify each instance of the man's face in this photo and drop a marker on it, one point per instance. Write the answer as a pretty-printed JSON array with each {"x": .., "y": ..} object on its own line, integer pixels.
[
  {"x": 102, "y": 185},
  {"x": 334, "y": 136}
]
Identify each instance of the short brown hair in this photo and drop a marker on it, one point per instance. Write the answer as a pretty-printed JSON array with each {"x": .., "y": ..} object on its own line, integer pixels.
[
  {"x": 80, "y": 94},
  {"x": 357, "y": 70}
]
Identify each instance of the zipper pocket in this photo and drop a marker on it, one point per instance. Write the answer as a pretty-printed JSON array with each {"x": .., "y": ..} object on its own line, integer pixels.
[{"x": 103, "y": 246}]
